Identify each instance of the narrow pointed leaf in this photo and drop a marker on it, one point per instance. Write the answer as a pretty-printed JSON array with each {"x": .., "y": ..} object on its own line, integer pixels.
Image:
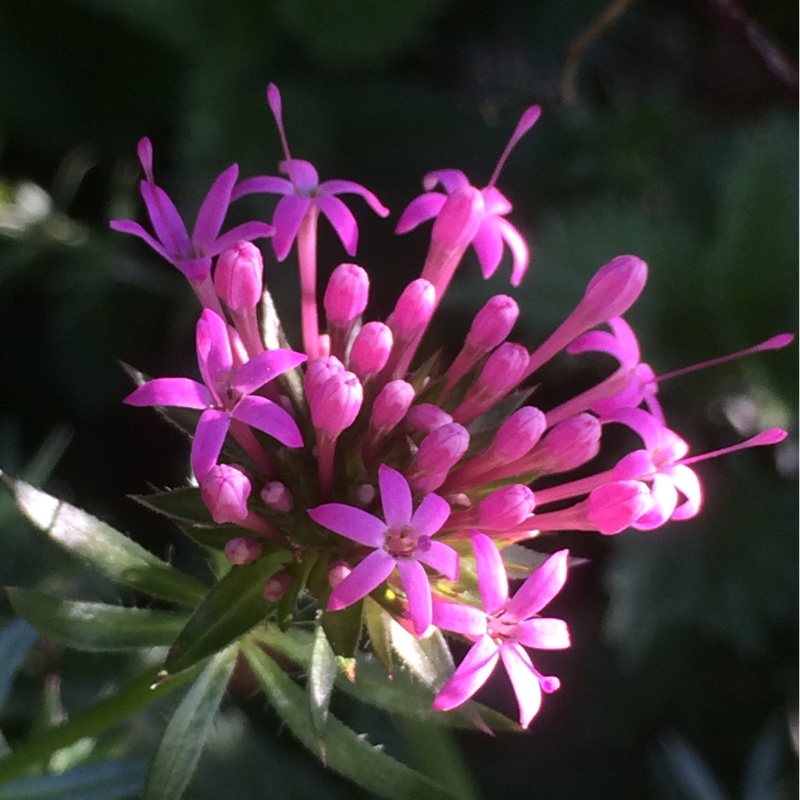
[
  {"x": 96, "y": 626},
  {"x": 230, "y": 609},
  {"x": 104, "y": 780},
  {"x": 183, "y": 505},
  {"x": 347, "y": 753},
  {"x": 15, "y": 641},
  {"x": 107, "y": 712},
  {"x": 103, "y": 548},
  {"x": 179, "y": 750},
  {"x": 321, "y": 677},
  {"x": 377, "y": 622},
  {"x": 343, "y": 629}
]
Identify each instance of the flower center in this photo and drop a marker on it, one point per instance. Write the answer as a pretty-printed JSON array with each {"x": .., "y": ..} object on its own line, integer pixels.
[
  {"x": 401, "y": 543},
  {"x": 500, "y": 628}
]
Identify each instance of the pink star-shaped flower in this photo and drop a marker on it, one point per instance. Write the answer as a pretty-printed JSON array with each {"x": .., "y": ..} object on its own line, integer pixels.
[
  {"x": 503, "y": 629},
  {"x": 191, "y": 255},
  {"x": 402, "y": 540},
  {"x": 226, "y": 394}
]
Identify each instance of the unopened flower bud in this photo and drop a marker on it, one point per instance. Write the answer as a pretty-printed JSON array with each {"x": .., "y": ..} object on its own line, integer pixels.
[
  {"x": 427, "y": 417},
  {"x": 441, "y": 449},
  {"x": 505, "y": 507},
  {"x": 365, "y": 494},
  {"x": 414, "y": 309},
  {"x": 518, "y": 434},
  {"x": 242, "y": 550},
  {"x": 277, "y": 586},
  {"x": 346, "y": 294},
  {"x": 225, "y": 491},
  {"x": 613, "y": 507},
  {"x": 614, "y": 288},
  {"x": 492, "y": 323},
  {"x": 391, "y": 405},
  {"x": 371, "y": 349},
  {"x": 458, "y": 221},
  {"x": 570, "y": 443},
  {"x": 337, "y": 572},
  {"x": 318, "y": 370},
  {"x": 335, "y": 403},
  {"x": 239, "y": 276},
  {"x": 277, "y": 496}
]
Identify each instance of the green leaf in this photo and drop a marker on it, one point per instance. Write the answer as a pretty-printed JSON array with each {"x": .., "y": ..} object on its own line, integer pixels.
[
  {"x": 230, "y": 609},
  {"x": 321, "y": 677},
  {"x": 96, "y": 626},
  {"x": 343, "y": 629},
  {"x": 103, "y": 548},
  {"x": 105, "y": 780},
  {"x": 99, "y": 717},
  {"x": 179, "y": 751},
  {"x": 15, "y": 641},
  {"x": 184, "y": 505},
  {"x": 347, "y": 753},
  {"x": 377, "y": 621}
]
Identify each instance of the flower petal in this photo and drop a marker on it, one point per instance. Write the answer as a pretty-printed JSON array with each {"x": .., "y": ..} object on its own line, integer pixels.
[
  {"x": 366, "y": 576},
  {"x": 135, "y": 229},
  {"x": 488, "y": 245},
  {"x": 166, "y": 220},
  {"x": 214, "y": 356},
  {"x": 419, "y": 210},
  {"x": 215, "y": 207},
  {"x": 354, "y": 523},
  {"x": 246, "y": 232},
  {"x": 460, "y": 618},
  {"x": 342, "y": 219},
  {"x": 269, "y": 417},
  {"x": 687, "y": 482},
  {"x": 442, "y": 558},
  {"x": 492, "y": 579},
  {"x": 288, "y": 215},
  {"x": 451, "y": 180},
  {"x": 432, "y": 513},
  {"x": 263, "y": 184},
  {"x": 526, "y": 685},
  {"x": 520, "y": 253},
  {"x": 540, "y": 588},
  {"x": 180, "y": 392},
  {"x": 395, "y": 497},
  {"x": 470, "y": 675},
  {"x": 209, "y": 436},
  {"x": 337, "y": 186},
  {"x": 263, "y": 368},
  {"x": 544, "y": 633},
  {"x": 418, "y": 591}
]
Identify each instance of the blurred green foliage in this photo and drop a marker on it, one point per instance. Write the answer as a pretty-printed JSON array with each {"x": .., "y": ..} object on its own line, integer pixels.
[{"x": 682, "y": 148}]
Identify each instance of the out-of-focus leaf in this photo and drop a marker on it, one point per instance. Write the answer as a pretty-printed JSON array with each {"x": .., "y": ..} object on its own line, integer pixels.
[
  {"x": 96, "y": 626},
  {"x": 15, "y": 641},
  {"x": 179, "y": 750},
  {"x": 377, "y": 621},
  {"x": 230, "y": 609},
  {"x": 321, "y": 677},
  {"x": 105, "y": 780},
  {"x": 103, "y": 548},
  {"x": 691, "y": 776},
  {"x": 347, "y": 753}
]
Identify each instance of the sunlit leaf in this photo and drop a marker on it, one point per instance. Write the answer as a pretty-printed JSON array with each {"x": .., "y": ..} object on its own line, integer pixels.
[{"x": 321, "y": 676}]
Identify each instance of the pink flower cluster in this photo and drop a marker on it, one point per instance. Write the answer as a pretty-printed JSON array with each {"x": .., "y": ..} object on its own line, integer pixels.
[{"x": 404, "y": 485}]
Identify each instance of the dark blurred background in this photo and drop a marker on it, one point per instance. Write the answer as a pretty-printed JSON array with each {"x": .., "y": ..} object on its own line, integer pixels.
[{"x": 669, "y": 130}]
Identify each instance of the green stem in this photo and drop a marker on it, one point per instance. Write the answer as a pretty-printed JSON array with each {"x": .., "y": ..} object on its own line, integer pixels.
[{"x": 130, "y": 699}]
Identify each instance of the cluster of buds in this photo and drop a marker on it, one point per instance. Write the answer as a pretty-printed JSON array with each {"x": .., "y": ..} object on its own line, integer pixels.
[{"x": 400, "y": 485}]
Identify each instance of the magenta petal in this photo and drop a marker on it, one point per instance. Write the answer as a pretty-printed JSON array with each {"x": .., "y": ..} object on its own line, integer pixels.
[
  {"x": 263, "y": 368},
  {"x": 337, "y": 186},
  {"x": 354, "y": 523},
  {"x": 303, "y": 174},
  {"x": 526, "y": 685},
  {"x": 342, "y": 219},
  {"x": 180, "y": 392},
  {"x": 246, "y": 232},
  {"x": 214, "y": 356},
  {"x": 288, "y": 215},
  {"x": 442, "y": 558},
  {"x": 520, "y": 254},
  {"x": 451, "y": 180},
  {"x": 212, "y": 428},
  {"x": 488, "y": 245},
  {"x": 418, "y": 591},
  {"x": 460, "y": 618},
  {"x": 420, "y": 210},
  {"x": 263, "y": 184},
  {"x": 166, "y": 220},
  {"x": 664, "y": 497},
  {"x": 471, "y": 674},
  {"x": 135, "y": 229},
  {"x": 687, "y": 482},
  {"x": 395, "y": 497},
  {"x": 269, "y": 417},
  {"x": 215, "y": 207},
  {"x": 492, "y": 579},
  {"x": 544, "y": 633},
  {"x": 366, "y": 576},
  {"x": 540, "y": 588},
  {"x": 432, "y": 513},
  {"x": 633, "y": 466}
]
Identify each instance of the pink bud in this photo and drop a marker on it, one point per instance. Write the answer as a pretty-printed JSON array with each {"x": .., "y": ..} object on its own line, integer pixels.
[
  {"x": 277, "y": 586},
  {"x": 492, "y": 323},
  {"x": 441, "y": 449},
  {"x": 414, "y": 309},
  {"x": 518, "y": 434},
  {"x": 225, "y": 490},
  {"x": 277, "y": 496},
  {"x": 570, "y": 444},
  {"x": 346, "y": 294},
  {"x": 458, "y": 221},
  {"x": 364, "y": 494},
  {"x": 391, "y": 405},
  {"x": 318, "y": 370},
  {"x": 242, "y": 550},
  {"x": 614, "y": 288},
  {"x": 506, "y": 507},
  {"x": 335, "y": 403},
  {"x": 371, "y": 349},
  {"x": 426, "y": 417},
  {"x": 337, "y": 572},
  {"x": 239, "y": 276},
  {"x": 613, "y": 507}
]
